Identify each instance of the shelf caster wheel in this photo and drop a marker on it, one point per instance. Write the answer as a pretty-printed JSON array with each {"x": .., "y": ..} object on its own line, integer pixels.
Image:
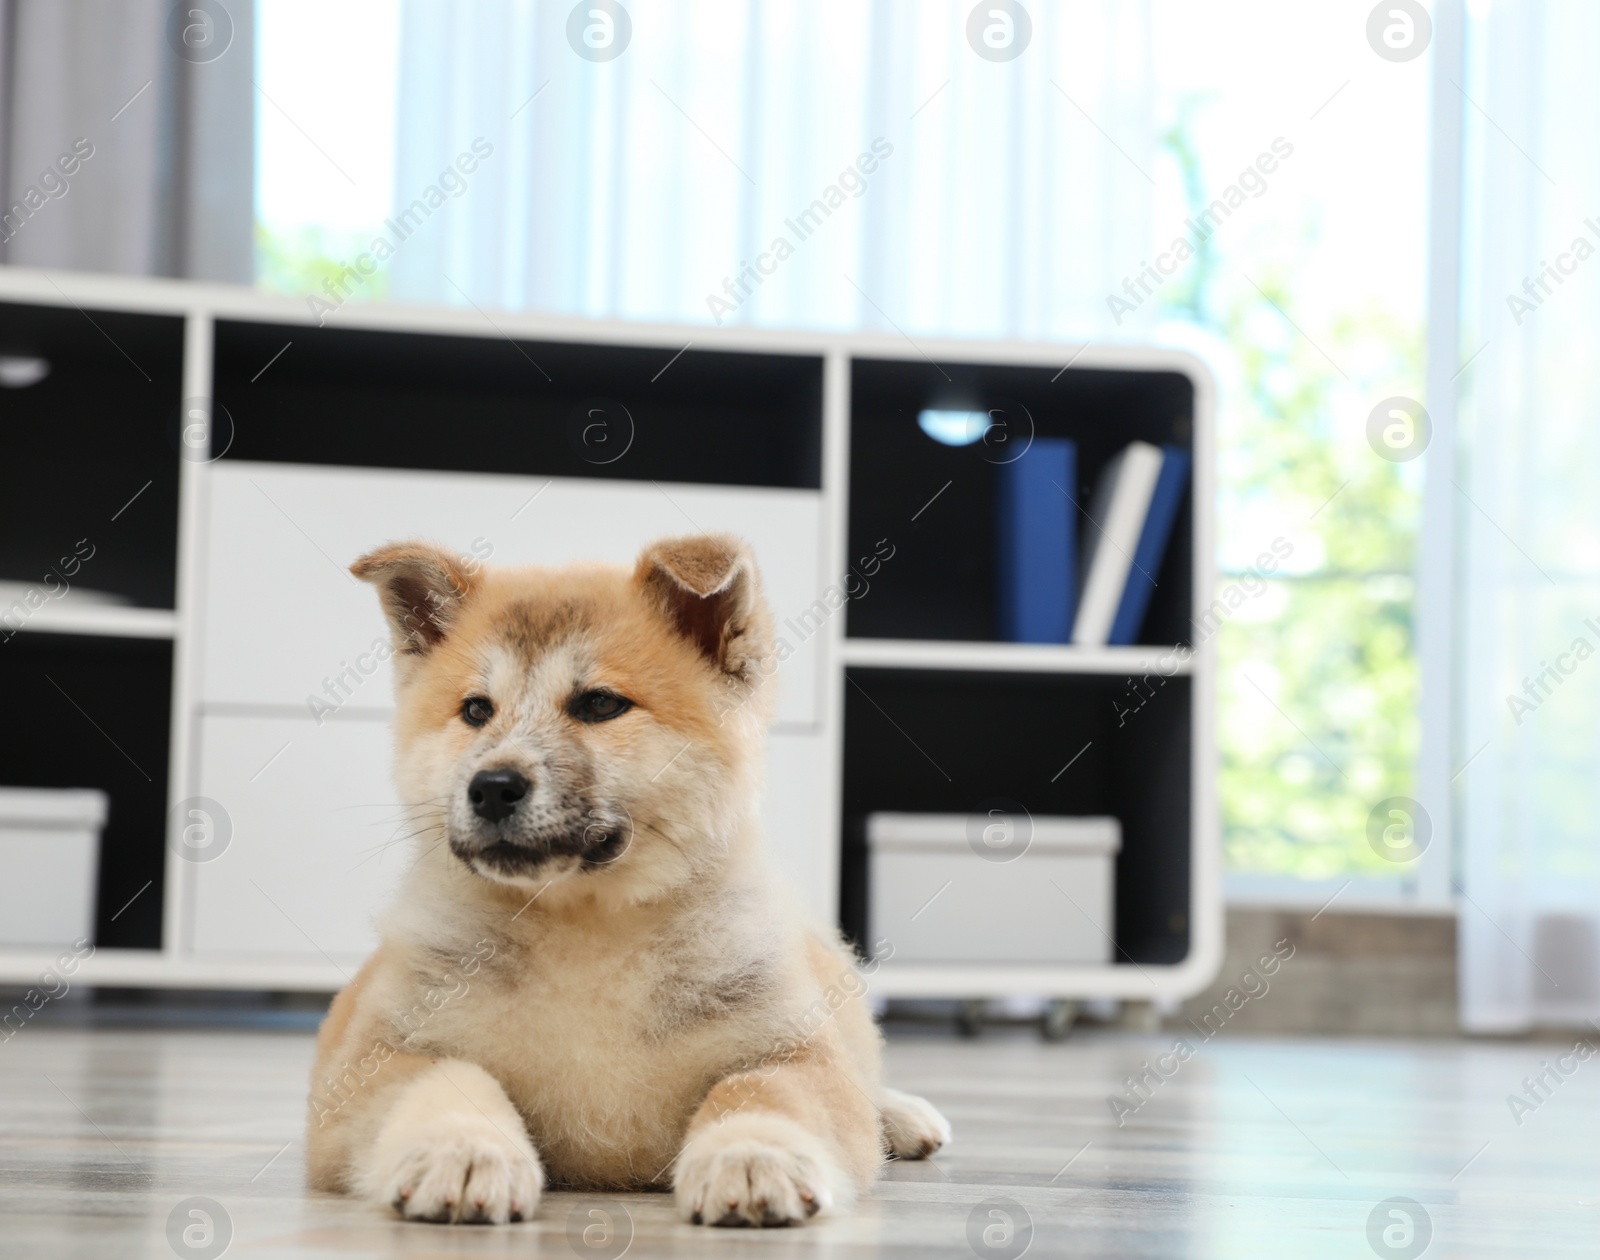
[
  {"x": 1059, "y": 1016},
  {"x": 969, "y": 1017}
]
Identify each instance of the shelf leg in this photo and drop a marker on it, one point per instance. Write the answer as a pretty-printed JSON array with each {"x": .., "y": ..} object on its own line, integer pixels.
[
  {"x": 1060, "y": 1014},
  {"x": 969, "y": 1016}
]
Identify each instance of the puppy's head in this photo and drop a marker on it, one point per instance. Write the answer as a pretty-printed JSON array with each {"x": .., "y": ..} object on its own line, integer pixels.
[{"x": 584, "y": 728}]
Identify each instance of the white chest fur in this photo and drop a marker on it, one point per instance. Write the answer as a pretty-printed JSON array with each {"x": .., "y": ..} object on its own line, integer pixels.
[{"x": 606, "y": 1035}]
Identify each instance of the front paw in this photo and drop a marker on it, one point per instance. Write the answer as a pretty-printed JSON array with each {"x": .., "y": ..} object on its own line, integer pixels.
[
  {"x": 912, "y": 1127},
  {"x": 462, "y": 1170},
  {"x": 756, "y": 1169}
]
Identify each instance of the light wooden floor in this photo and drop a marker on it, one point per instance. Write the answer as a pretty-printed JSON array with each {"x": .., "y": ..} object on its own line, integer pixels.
[{"x": 1271, "y": 1148}]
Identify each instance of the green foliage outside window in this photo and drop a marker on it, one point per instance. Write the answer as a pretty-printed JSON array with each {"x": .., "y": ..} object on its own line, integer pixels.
[
  {"x": 1317, "y": 690},
  {"x": 301, "y": 261}
]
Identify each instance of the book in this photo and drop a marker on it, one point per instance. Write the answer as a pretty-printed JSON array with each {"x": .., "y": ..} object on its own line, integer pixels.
[
  {"x": 1036, "y": 533},
  {"x": 1158, "y": 521},
  {"x": 1116, "y": 515}
]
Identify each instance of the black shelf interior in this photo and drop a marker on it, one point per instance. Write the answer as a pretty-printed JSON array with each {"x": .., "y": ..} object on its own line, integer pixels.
[
  {"x": 78, "y": 447},
  {"x": 59, "y": 689},
  {"x": 942, "y": 581},
  {"x": 1004, "y": 735},
  {"x": 366, "y": 398}
]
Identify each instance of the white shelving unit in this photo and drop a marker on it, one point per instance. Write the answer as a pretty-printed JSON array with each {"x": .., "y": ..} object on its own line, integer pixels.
[
  {"x": 1029, "y": 658},
  {"x": 260, "y": 613},
  {"x": 113, "y": 622}
]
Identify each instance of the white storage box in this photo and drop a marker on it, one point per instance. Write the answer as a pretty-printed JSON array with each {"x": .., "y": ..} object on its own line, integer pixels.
[
  {"x": 49, "y": 864},
  {"x": 960, "y": 888}
]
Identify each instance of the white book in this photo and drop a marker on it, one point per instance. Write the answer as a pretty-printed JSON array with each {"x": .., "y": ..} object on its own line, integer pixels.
[{"x": 1116, "y": 514}]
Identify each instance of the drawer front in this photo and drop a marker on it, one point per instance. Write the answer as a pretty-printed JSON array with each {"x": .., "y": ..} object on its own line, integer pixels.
[
  {"x": 47, "y": 897},
  {"x": 801, "y": 841},
  {"x": 282, "y": 615},
  {"x": 957, "y": 908},
  {"x": 317, "y": 847}
]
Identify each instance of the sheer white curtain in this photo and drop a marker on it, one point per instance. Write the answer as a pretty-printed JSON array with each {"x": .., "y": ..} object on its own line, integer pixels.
[
  {"x": 1005, "y": 198},
  {"x": 1529, "y": 521}
]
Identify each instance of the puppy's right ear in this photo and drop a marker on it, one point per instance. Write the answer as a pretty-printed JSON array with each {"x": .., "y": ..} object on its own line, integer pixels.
[{"x": 423, "y": 588}]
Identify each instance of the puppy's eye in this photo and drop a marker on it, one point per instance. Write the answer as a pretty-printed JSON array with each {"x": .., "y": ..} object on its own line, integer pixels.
[
  {"x": 599, "y": 706},
  {"x": 476, "y": 710}
]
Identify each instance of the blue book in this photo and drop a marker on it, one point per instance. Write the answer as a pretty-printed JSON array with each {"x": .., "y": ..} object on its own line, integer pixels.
[
  {"x": 1038, "y": 543},
  {"x": 1172, "y": 481}
]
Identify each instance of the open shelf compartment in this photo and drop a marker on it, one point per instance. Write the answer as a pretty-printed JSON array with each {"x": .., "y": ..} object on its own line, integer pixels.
[
  {"x": 906, "y": 487},
  {"x": 90, "y": 454},
  {"x": 97, "y": 713},
  {"x": 380, "y": 398},
  {"x": 1075, "y": 745}
]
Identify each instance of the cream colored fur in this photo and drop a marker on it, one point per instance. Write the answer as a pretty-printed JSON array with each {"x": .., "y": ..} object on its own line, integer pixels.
[{"x": 642, "y": 1007}]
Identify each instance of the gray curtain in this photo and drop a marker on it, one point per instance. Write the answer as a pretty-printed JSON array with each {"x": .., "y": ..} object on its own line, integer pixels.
[{"x": 127, "y": 136}]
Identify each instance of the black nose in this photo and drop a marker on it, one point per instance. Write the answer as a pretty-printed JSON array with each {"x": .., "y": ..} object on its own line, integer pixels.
[{"x": 494, "y": 793}]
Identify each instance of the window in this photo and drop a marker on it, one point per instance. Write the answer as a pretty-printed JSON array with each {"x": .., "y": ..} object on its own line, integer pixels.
[
  {"x": 324, "y": 139},
  {"x": 1309, "y": 303}
]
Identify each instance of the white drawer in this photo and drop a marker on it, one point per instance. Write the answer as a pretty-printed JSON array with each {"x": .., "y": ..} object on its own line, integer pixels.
[
  {"x": 316, "y": 846},
  {"x": 281, "y": 614},
  {"x": 309, "y": 862},
  {"x": 801, "y": 841}
]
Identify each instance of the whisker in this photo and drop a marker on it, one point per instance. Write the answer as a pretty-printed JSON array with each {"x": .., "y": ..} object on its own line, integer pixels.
[
  {"x": 424, "y": 854},
  {"x": 418, "y": 830}
]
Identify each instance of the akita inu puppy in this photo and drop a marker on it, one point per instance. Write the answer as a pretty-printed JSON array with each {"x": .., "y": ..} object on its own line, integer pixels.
[{"x": 589, "y": 975}]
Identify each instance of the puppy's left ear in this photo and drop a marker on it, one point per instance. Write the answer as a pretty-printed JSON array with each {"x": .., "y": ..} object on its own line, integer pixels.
[{"x": 708, "y": 588}]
